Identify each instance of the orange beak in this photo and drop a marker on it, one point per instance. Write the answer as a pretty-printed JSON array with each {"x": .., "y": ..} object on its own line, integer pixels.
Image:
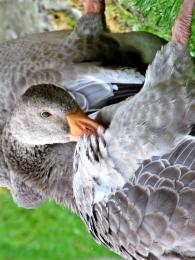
[{"x": 80, "y": 124}]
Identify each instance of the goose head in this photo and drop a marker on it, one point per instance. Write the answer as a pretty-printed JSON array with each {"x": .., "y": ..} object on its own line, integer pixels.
[
  {"x": 37, "y": 144},
  {"x": 46, "y": 114}
]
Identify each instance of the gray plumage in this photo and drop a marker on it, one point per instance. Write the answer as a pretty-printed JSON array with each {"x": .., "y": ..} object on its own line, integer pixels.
[
  {"x": 134, "y": 184},
  {"x": 53, "y": 58},
  {"x": 38, "y": 154},
  {"x": 72, "y": 61}
]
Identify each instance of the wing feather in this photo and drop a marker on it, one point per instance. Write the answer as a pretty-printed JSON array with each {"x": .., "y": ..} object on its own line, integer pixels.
[
  {"x": 160, "y": 192},
  {"x": 152, "y": 215}
]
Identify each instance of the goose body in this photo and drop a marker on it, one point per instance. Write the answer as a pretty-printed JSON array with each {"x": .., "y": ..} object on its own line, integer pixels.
[
  {"x": 54, "y": 57},
  {"x": 134, "y": 183},
  {"x": 76, "y": 61},
  {"x": 148, "y": 216},
  {"x": 73, "y": 61}
]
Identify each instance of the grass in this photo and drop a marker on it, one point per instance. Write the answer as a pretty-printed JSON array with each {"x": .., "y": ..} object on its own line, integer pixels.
[
  {"x": 49, "y": 232},
  {"x": 155, "y": 16}
]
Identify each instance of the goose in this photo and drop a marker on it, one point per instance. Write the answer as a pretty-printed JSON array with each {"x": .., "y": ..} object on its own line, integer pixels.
[
  {"x": 53, "y": 59},
  {"x": 134, "y": 184}
]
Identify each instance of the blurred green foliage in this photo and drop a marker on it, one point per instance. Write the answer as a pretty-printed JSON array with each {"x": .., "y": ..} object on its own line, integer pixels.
[
  {"x": 154, "y": 16},
  {"x": 50, "y": 232}
]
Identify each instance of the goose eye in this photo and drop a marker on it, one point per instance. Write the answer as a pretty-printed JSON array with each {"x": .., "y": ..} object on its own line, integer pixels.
[{"x": 45, "y": 114}]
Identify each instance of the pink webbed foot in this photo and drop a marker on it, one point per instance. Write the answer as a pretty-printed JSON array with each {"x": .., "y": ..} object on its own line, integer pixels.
[
  {"x": 94, "y": 6},
  {"x": 181, "y": 30}
]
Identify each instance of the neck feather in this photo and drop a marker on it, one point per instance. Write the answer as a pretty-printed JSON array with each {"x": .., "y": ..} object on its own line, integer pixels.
[{"x": 48, "y": 169}]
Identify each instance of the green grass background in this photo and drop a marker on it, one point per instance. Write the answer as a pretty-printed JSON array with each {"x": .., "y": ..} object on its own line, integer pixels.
[
  {"x": 51, "y": 232},
  {"x": 156, "y": 16}
]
